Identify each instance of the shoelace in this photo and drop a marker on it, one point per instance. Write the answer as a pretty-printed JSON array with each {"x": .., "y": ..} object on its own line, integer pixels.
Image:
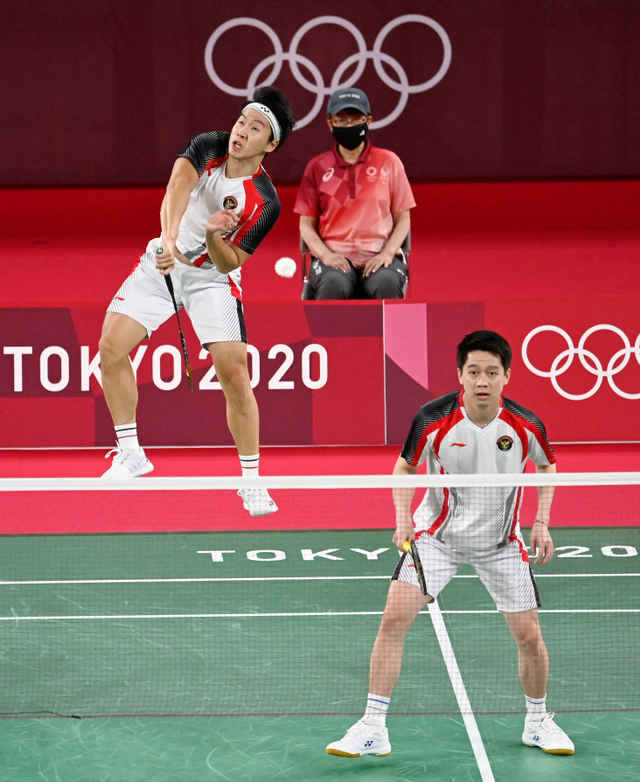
[
  {"x": 250, "y": 494},
  {"x": 361, "y": 729},
  {"x": 549, "y": 725},
  {"x": 119, "y": 452}
]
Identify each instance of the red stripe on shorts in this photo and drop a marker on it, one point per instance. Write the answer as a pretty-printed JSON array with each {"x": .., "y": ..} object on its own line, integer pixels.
[
  {"x": 135, "y": 266},
  {"x": 523, "y": 550},
  {"x": 235, "y": 290}
]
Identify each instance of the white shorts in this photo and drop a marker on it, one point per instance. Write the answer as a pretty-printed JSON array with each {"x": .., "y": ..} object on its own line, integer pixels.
[
  {"x": 505, "y": 571},
  {"x": 212, "y": 300}
]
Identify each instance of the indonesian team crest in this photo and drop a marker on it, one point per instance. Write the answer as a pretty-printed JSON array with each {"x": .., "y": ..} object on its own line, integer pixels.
[{"x": 505, "y": 443}]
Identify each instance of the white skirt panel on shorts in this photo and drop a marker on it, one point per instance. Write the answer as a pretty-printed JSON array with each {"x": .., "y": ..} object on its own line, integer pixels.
[
  {"x": 207, "y": 296},
  {"x": 505, "y": 571}
]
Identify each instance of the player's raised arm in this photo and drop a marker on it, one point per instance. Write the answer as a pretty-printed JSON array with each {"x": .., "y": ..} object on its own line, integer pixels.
[
  {"x": 183, "y": 179},
  {"x": 540, "y": 541},
  {"x": 402, "y": 500}
]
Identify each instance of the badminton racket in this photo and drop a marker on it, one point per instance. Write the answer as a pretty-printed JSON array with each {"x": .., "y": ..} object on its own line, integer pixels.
[{"x": 185, "y": 355}]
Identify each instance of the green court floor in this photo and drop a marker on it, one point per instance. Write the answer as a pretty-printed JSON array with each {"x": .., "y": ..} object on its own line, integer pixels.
[
  {"x": 241, "y": 655},
  {"x": 248, "y": 749}
]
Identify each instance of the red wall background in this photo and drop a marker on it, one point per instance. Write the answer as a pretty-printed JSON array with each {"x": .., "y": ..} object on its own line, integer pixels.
[
  {"x": 509, "y": 256},
  {"x": 108, "y": 92}
]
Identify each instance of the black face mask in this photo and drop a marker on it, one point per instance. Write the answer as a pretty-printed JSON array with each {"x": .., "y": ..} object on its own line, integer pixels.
[{"x": 351, "y": 137}]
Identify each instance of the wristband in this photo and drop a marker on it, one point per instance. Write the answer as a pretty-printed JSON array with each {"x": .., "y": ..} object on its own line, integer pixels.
[{"x": 539, "y": 521}]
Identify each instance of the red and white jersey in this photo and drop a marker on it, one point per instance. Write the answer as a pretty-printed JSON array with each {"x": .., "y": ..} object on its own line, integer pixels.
[
  {"x": 443, "y": 435},
  {"x": 253, "y": 197},
  {"x": 354, "y": 204}
]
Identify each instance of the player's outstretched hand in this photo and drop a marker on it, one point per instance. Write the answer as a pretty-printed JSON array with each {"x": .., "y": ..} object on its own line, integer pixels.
[
  {"x": 223, "y": 220},
  {"x": 541, "y": 543}
]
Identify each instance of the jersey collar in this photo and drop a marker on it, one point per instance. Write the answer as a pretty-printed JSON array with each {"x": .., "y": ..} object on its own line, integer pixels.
[
  {"x": 364, "y": 157},
  {"x": 466, "y": 415}
]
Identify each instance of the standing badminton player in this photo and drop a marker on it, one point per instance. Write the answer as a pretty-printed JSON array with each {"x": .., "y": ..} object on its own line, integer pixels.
[
  {"x": 219, "y": 205},
  {"x": 473, "y": 431}
]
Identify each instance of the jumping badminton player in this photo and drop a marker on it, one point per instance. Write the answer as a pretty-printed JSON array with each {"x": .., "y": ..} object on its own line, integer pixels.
[
  {"x": 219, "y": 205},
  {"x": 473, "y": 431}
]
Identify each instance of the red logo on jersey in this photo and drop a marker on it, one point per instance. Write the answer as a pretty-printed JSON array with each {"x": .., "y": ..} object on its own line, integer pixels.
[
  {"x": 229, "y": 202},
  {"x": 462, "y": 445}
]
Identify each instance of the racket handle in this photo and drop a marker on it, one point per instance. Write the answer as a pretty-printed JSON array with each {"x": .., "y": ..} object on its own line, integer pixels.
[
  {"x": 410, "y": 546},
  {"x": 159, "y": 251},
  {"x": 167, "y": 278}
]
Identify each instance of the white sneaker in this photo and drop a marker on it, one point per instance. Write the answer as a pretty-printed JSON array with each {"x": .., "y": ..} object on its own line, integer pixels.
[
  {"x": 127, "y": 463},
  {"x": 547, "y": 735},
  {"x": 362, "y": 739},
  {"x": 257, "y": 502}
]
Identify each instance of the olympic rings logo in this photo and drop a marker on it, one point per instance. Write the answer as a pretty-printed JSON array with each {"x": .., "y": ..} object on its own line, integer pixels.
[
  {"x": 588, "y": 359},
  {"x": 276, "y": 60}
]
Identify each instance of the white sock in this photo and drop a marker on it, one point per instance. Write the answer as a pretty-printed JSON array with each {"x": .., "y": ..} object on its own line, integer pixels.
[
  {"x": 250, "y": 465},
  {"x": 127, "y": 436},
  {"x": 536, "y": 707},
  {"x": 376, "y": 711}
]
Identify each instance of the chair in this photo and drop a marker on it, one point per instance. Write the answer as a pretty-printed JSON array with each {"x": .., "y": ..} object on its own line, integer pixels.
[{"x": 307, "y": 291}]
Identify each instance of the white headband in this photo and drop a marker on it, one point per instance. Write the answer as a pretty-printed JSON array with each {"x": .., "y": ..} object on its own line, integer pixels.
[{"x": 275, "y": 125}]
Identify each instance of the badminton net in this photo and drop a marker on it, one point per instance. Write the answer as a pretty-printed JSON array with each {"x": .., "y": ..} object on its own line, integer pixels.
[{"x": 272, "y": 621}]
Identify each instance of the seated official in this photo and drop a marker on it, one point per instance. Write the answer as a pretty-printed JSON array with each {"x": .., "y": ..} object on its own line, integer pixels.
[{"x": 354, "y": 204}]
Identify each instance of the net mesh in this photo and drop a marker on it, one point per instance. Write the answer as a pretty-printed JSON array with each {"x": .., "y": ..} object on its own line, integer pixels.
[{"x": 237, "y": 623}]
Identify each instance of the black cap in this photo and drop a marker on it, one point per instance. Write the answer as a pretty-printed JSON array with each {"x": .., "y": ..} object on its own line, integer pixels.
[{"x": 348, "y": 98}]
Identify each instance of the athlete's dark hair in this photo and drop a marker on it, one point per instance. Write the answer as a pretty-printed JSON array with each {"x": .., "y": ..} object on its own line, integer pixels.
[
  {"x": 489, "y": 341},
  {"x": 279, "y": 104}
]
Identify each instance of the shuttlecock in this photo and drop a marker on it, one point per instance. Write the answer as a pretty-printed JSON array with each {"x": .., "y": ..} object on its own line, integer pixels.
[{"x": 285, "y": 267}]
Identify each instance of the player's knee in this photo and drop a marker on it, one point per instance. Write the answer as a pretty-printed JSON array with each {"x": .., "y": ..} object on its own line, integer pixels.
[
  {"x": 530, "y": 642},
  {"x": 111, "y": 350},
  {"x": 395, "y": 624},
  {"x": 234, "y": 379}
]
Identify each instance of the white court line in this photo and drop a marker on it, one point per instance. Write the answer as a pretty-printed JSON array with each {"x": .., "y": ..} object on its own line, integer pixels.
[
  {"x": 203, "y": 580},
  {"x": 583, "y": 575},
  {"x": 274, "y": 578},
  {"x": 72, "y": 617},
  {"x": 558, "y": 611},
  {"x": 464, "y": 704},
  {"x": 192, "y": 616}
]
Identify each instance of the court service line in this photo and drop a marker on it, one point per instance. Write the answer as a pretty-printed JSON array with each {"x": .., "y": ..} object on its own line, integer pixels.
[
  {"x": 464, "y": 704},
  {"x": 558, "y": 611},
  {"x": 87, "y": 617},
  {"x": 203, "y": 580},
  {"x": 223, "y": 579}
]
